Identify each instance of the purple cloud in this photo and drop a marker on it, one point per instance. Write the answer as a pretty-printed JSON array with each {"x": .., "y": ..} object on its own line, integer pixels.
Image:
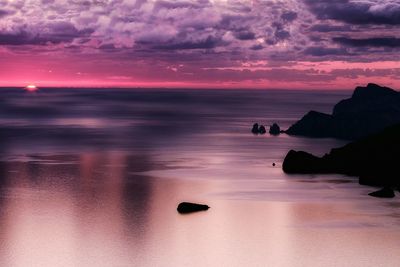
[
  {"x": 357, "y": 12},
  {"x": 373, "y": 42},
  {"x": 289, "y": 16},
  {"x": 203, "y": 39},
  {"x": 52, "y": 32},
  {"x": 321, "y": 51}
]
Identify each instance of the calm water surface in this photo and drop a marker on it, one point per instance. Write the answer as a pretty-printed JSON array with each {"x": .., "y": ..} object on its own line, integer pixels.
[{"x": 93, "y": 178}]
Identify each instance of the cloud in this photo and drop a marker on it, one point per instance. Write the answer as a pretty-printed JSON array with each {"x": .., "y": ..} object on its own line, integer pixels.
[
  {"x": 245, "y": 35},
  {"x": 282, "y": 34},
  {"x": 51, "y": 33},
  {"x": 158, "y": 24},
  {"x": 357, "y": 12},
  {"x": 257, "y": 47},
  {"x": 207, "y": 43},
  {"x": 289, "y": 16},
  {"x": 4, "y": 13},
  {"x": 320, "y": 51},
  {"x": 371, "y": 42},
  {"x": 197, "y": 37},
  {"x": 331, "y": 28}
]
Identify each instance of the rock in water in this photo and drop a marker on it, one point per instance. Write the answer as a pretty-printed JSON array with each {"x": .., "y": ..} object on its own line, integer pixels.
[
  {"x": 313, "y": 124},
  {"x": 371, "y": 180},
  {"x": 262, "y": 130},
  {"x": 374, "y": 159},
  {"x": 385, "y": 192},
  {"x": 254, "y": 130},
  {"x": 258, "y": 129},
  {"x": 275, "y": 129},
  {"x": 303, "y": 162},
  {"x": 187, "y": 207},
  {"x": 369, "y": 110}
]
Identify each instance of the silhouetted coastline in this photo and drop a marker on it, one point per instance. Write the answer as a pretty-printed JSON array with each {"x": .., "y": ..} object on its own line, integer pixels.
[
  {"x": 373, "y": 159},
  {"x": 368, "y": 111}
]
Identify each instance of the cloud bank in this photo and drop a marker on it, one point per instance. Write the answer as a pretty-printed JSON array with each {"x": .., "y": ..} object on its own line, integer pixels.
[{"x": 196, "y": 42}]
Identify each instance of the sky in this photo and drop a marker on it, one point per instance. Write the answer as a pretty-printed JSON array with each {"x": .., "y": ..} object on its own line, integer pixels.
[{"x": 289, "y": 44}]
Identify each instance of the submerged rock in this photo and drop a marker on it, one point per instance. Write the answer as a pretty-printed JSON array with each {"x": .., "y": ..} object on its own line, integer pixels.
[
  {"x": 385, "y": 192},
  {"x": 275, "y": 129},
  {"x": 187, "y": 207}
]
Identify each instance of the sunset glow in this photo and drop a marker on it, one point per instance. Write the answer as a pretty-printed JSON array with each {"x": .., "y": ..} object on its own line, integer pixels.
[
  {"x": 31, "y": 88},
  {"x": 287, "y": 44},
  {"x": 200, "y": 133}
]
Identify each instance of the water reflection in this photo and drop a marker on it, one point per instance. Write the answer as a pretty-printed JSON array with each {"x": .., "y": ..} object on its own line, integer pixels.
[
  {"x": 109, "y": 209},
  {"x": 78, "y": 119},
  {"x": 97, "y": 184}
]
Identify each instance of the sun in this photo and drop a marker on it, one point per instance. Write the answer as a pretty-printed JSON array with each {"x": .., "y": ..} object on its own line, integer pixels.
[{"x": 31, "y": 88}]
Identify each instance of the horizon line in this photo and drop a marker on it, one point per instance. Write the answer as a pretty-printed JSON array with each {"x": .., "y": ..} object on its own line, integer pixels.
[{"x": 178, "y": 88}]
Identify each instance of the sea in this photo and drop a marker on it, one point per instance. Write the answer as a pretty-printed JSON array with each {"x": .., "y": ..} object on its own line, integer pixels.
[{"x": 92, "y": 177}]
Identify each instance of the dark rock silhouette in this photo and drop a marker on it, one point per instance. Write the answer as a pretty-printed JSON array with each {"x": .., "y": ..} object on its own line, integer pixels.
[
  {"x": 367, "y": 179},
  {"x": 275, "y": 129},
  {"x": 254, "y": 130},
  {"x": 313, "y": 124},
  {"x": 258, "y": 129},
  {"x": 374, "y": 159},
  {"x": 368, "y": 111},
  {"x": 303, "y": 162},
  {"x": 187, "y": 207},
  {"x": 262, "y": 130},
  {"x": 385, "y": 192}
]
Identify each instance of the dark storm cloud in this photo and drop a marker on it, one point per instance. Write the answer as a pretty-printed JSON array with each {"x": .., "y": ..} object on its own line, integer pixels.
[
  {"x": 3, "y": 13},
  {"x": 357, "y": 12},
  {"x": 369, "y": 42},
  {"x": 331, "y": 28},
  {"x": 289, "y": 16},
  {"x": 176, "y": 4},
  {"x": 55, "y": 33},
  {"x": 257, "y": 47},
  {"x": 320, "y": 51},
  {"x": 208, "y": 43},
  {"x": 14, "y": 39},
  {"x": 245, "y": 35},
  {"x": 282, "y": 34}
]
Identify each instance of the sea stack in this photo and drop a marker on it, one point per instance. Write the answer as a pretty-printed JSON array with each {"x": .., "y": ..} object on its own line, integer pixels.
[
  {"x": 254, "y": 130},
  {"x": 262, "y": 130},
  {"x": 274, "y": 129},
  {"x": 258, "y": 129}
]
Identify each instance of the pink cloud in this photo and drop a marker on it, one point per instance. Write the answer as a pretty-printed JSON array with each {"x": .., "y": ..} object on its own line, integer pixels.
[{"x": 199, "y": 43}]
